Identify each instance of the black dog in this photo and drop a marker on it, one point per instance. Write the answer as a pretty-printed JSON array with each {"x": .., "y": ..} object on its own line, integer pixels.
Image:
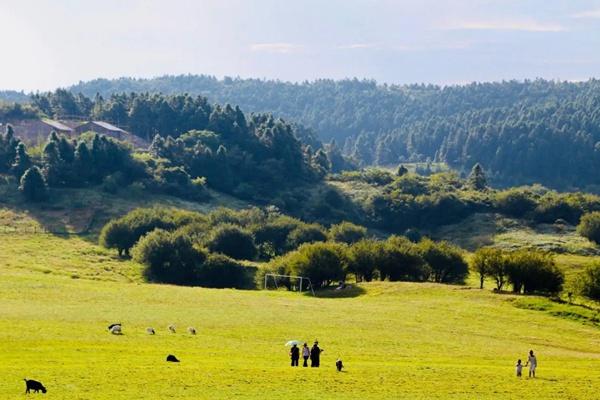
[
  {"x": 34, "y": 385},
  {"x": 172, "y": 358},
  {"x": 339, "y": 365}
]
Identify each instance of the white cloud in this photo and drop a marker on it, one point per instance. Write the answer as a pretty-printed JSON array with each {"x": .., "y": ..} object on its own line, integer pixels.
[
  {"x": 506, "y": 25},
  {"x": 281, "y": 48},
  {"x": 587, "y": 14}
]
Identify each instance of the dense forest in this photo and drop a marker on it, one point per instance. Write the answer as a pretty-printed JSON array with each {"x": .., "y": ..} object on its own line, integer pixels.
[
  {"x": 521, "y": 132},
  {"x": 198, "y": 144}
]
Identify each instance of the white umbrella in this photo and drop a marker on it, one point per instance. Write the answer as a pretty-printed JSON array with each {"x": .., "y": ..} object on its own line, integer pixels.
[{"x": 293, "y": 342}]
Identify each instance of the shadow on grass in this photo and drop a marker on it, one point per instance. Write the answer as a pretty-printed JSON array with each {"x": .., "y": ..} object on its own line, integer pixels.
[{"x": 333, "y": 293}]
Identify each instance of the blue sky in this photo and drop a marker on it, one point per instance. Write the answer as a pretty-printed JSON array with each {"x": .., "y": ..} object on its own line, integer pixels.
[{"x": 50, "y": 43}]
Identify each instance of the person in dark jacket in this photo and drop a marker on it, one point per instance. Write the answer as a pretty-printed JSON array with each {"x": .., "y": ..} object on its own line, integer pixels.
[
  {"x": 295, "y": 355},
  {"x": 315, "y": 355}
]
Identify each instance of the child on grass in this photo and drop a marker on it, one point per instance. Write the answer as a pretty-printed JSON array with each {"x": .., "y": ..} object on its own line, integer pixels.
[{"x": 519, "y": 368}]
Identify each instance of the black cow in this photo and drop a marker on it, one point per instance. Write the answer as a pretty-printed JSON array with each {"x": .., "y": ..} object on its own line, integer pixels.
[
  {"x": 172, "y": 358},
  {"x": 34, "y": 385}
]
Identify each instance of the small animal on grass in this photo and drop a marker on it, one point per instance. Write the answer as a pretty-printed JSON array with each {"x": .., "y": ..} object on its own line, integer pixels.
[
  {"x": 34, "y": 385},
  {"x": 172, "y": 328},
  {"x": 339, "y": 365},
  {"x": 192, "y": 330},
  {"x": 150, "y": 331},
  {"x": 172, "y": 358},
  {"x": 115, "y": 329}
]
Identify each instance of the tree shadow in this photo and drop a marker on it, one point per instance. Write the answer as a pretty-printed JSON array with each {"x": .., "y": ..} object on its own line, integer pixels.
[{"x": 349, "y": 291}]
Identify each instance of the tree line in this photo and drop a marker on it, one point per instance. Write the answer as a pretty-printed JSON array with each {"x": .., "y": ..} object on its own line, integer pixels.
[
  {"x": 405, "y": 200},
  {"x": 522, "y": 131},
  {"x": 90, "y": 160},
  {"x": 211, "y": 249}
]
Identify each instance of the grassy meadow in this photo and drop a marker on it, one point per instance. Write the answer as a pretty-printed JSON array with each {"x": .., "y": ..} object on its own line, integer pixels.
[
  {"x": 397, "y": 340},
  {"x": 59, "y": 292}
]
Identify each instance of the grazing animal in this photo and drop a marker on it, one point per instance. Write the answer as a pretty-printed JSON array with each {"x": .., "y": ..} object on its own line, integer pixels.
[
  {"x": 172, "y": 328},
  {"x": 116, "y": 329},
  {"x": 150, "y": 331},
  {"x": 192, "y": 330},
  {"x": 113, "y": 325},
  {"x": 172, "y": 358},
  {"x": 339, "y": 365},
  {"x": 34, "y": 385}
]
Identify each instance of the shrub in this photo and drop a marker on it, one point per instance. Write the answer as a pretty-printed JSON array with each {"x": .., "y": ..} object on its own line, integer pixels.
[
  {"x": 169, "y": 257},
  {"x": 364, "y": 257},
  {"x": 33, "y": 185},
  {"x": 275, "y": 232},
  {"x": 132, "y": 226},
  {"x": 401, "y": 261},
  {"x": 220, "y": 271},
  {"x": 305, "y": 233},
  {"x": 553, "y": 207},
  {"x": 347, "y": 232},
  {"x": 232, "y": 241},
  {"x": 323, "y": 263},
  {"x": 445, "y": 260},
  {"x": 533, "y": 271},
  {"x": 589, "y": 226},
  {"x": 514, "y": 202},
  {"x": 591, "y": 282},
  {"x": 116, "y": 235}
]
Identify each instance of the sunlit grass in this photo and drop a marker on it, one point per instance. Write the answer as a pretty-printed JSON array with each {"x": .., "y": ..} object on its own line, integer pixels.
[{"x": 398, "y": 340}]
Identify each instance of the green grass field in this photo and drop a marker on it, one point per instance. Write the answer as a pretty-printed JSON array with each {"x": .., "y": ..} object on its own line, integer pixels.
[
  {"x": 398, "y": 340},
  {"x": 58, "y": 293}
]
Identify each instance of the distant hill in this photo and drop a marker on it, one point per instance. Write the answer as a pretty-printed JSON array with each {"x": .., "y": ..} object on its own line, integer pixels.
[
  {"x": 522, "y": 132},
  {"x": 12, "y": 96}
]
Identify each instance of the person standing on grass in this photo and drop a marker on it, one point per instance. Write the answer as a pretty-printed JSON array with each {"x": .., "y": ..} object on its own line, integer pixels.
[
  {"x": 305, "y": 354},
  {"x": 532, "y": 362},
  {"x": 519, "y": 368},
  {"x": 315, "y": 355},
  {"x": 295, "y": 355}
]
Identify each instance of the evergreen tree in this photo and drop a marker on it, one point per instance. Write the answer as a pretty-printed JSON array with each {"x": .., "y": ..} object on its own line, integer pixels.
[
  {"x": 22, "y": 161},
  {"x": 51, "y": 163},
  {"x": 65, "y": 150},
  {"x": 321, "y": 162},
  {"x": 401, "y": 171},
  {"x": 8, "y": 144},
  {"x": 83, "y": 162},
  {"x": 33, "y": 186},
  {"x": 477, "y": 179}
]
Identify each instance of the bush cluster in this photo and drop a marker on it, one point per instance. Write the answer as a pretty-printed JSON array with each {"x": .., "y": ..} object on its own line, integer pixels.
[
  {"x": 528, "y": 271},
  {"x": 394, "y": 259}
]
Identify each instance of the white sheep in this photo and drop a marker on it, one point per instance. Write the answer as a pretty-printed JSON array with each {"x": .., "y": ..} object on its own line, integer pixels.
[
  {"x": 115, "y": 329},
  {"x": 192, "y": 330},
  {"x": 150, "y": 331},
  {"x": 172, "y": 328}
]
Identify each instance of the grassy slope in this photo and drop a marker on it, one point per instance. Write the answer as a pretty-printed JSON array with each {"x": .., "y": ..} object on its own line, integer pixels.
[
  {"x": 398, "y": 340},
  {"x": 419, "y": 341}
]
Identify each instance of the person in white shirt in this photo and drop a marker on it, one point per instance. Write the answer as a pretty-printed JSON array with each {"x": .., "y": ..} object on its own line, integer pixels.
[
  {"x": 305, "y": 354},
  {"x": 519, "y": 368},
  {"x": 532, "y": 362}
]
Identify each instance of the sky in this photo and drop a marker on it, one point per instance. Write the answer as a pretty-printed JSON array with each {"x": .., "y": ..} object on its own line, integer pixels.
[{"x": 46, "y": 44}]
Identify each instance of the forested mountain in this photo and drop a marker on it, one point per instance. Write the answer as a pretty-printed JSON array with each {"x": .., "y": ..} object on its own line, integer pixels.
[
  {"x": 521, "y": 132},
  {"x": 13, "y": 96}
]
